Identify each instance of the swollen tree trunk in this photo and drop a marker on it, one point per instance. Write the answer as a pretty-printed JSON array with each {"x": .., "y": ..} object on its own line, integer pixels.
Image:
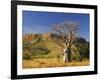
[{"x": 65, "y": 56}]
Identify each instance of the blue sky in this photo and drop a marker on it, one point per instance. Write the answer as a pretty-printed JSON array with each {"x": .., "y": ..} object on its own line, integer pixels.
[{"x": 41, "y": 22}]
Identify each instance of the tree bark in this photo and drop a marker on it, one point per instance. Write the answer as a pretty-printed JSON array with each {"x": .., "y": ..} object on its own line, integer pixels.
[{"x": 65, "y": 58}]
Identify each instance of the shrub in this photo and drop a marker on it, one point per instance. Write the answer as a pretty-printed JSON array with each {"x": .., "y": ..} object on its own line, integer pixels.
[
  {"x": 37, "y": 50},
  {"x": 83, "y": 49},
  {"x": 26, "y": 56}
]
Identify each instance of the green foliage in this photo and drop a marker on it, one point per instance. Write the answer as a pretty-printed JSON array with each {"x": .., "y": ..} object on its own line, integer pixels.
[
  {"x": 33, "y": 51},
  {"x": 26, "y": 55},
  {"x": 75, "y": 54},
  {"x": 48, "y": 48},
  {"x": 37, "y": 50},
  {"x": 83, "y": 49}
]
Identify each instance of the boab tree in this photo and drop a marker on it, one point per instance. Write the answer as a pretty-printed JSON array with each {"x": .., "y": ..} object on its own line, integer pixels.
[{"x": 67, "y": 31}]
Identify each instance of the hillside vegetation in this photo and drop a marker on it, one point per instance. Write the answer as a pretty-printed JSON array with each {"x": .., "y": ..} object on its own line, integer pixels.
[{"x": 42, "y": 50}]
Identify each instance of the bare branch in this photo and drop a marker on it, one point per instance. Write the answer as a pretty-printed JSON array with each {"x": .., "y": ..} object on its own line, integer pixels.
[{"x": 67, "y": 30}]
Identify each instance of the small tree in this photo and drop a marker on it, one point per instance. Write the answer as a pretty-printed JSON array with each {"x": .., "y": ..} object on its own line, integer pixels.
[
  {"x": 83, "y": 47},
  {"x": 67, "y": 30}
]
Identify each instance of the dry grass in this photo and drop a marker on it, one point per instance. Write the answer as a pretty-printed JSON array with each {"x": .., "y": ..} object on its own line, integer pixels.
[{"x": 51, "y": 62}]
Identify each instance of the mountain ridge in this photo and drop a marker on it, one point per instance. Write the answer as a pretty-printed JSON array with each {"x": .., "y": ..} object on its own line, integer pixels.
[{"x": 48, "y": 36}]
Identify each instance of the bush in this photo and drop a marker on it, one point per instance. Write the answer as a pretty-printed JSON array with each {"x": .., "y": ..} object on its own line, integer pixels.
[
  {"x": 33, "y": 51},
  {"x": 83, "y": 49},
  {"x": 26, "y": 56},
  {"x": 37, "y": 50}
]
